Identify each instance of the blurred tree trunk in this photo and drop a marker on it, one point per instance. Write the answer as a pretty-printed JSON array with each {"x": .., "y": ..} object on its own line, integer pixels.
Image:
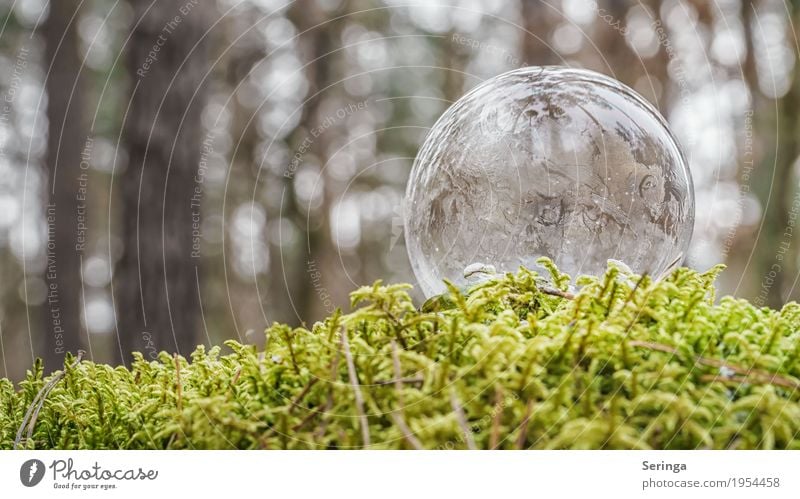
[
  {"x": 774, "y": 260},
  {"x": 790, "y": 139},
  {"x": 535, "y": 40},
  {"x": 613, "y": 56},
  {"x": 322, "y": 284},
  {"x": 67, "y": 140},
  {"x": 453, "y": 65},
  {"x": 659, "y": 88},
  {"x": 787, "y": 152},
  {"x": 157, "y": 278}
]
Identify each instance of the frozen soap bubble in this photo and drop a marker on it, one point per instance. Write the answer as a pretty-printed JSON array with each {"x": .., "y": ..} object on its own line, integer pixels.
[{"x": 547, "y": 161}]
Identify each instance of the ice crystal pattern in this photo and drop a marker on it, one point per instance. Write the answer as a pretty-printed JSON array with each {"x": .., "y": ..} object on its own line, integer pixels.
[{"x": 547, "y": 161}]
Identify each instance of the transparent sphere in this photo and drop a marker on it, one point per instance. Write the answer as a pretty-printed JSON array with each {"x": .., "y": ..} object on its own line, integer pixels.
[{"x": 547, "y": 161}]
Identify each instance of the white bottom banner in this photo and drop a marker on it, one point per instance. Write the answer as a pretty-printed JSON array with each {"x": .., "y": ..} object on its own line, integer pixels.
[{"x": 401, "y": 474}]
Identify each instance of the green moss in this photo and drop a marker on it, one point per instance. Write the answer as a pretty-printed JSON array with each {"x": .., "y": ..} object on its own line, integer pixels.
[{"x": 513, "y": 363}]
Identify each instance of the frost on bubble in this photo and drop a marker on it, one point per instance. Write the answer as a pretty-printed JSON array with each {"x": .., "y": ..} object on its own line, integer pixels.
[{"x": 554, "y": 162}]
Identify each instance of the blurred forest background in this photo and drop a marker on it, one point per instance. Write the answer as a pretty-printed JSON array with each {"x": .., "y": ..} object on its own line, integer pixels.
[{"x": 175, "y": 172}]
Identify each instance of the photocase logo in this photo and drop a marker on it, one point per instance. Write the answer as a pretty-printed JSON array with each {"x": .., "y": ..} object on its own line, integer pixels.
[{"x": 31, "y": 472}]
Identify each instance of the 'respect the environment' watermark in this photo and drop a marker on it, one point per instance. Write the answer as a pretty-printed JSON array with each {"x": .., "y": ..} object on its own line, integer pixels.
[
  {"x": 51, "y": 273},
  {"x": 66, "y": 475}
]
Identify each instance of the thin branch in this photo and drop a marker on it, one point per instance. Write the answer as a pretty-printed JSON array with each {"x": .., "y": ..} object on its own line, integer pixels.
[
  {"x": 178, "y": 382},
  {"x": 728, "y": 380},
  {"x": 738, "y": 380},
  {"x": 295, "y": 403},
  {"x": 398, "y": 331},
  {"x": 394, "y": 381},
  {"x": 523, "y": 427},
  {"x": 329, "y": 402},
  {"x": 633, "y": 292},
  {"x": 351, "y": 370},
  {"x": 398, "y": 382},
  {"x": 498, "y": 413},
  {"x": 303, "y": 393},
  {"x": 672, "y": 266},
  {"x": 462, "y": 420},
  {"x": 236, "y": 377},
  {"x": 749, "y": 374},
  {"x": 306, "y": 419},
  {"x": 32, "y": 414},
  {"x": 408, "y": 435},
  {"x": 397, "y": 416},
  {"x": 288, "y": 339},
  {"x": 556, "y": 292}
]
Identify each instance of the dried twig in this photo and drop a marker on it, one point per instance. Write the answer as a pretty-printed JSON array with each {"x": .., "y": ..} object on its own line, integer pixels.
[
  {"x": 288, "y": 339},
  {"x": 306, "y": 419},
  {"x": 406, "y": 431},
  {"x": 394, "y": 381},
  {"x": 494, "y": 439},
  {"x": 398, "y": 330},
  {"x": 672, "y": 266},
  {"x": 303, "y": 393},
  {"x": 632, "y": 293},
  {"x": 523, "y": 427},
  {"x": 178, "y": 382},
  {"x": 738, "y": 380},
  {"x": 32, "y": 414},
  {"x": 398, "y": 382},
  {"x": 556, "y": 292},
  {"x": 749, "y": 375},
  {"x": 728, "y": 380},
  {"x": 235, "y": 377},
  {"x": 295, "y": 403},
  {"x": 329, "y": 401},
  {"x": 397, "y": 416},
  {"x": 462, "y": 420},
  {"x": 351, "y": 370}
]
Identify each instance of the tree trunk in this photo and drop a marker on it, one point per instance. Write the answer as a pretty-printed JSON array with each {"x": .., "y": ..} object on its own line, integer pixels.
[
  {"x": 774, "y": 255},
  {"x": 655, "y": 69},
  {"x": 65, "y": 211},
  {"x": 536, "y": 49},
  {"x": 789, "y": 139},
  {"x": 323, "y": 284},
  {"x": 157, "y": 278}
]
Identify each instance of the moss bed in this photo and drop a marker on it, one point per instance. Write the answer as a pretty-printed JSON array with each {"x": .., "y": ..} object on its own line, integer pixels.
[{"x": 516, "y": 362}]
